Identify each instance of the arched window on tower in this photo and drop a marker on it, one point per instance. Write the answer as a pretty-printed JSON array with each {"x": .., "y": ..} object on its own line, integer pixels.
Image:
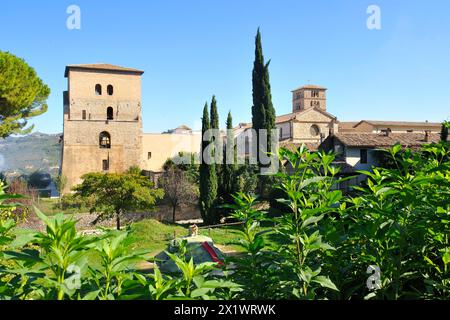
[
  {"x": 105, "y": 140},
  {"x": 110, "y": 113},
  {"x": 98, "y": 90},
  {"x": 110, "y": 90}
]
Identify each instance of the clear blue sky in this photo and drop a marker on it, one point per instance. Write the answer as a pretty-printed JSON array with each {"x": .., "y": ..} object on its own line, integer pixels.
[{"x": 193, "y": 49}]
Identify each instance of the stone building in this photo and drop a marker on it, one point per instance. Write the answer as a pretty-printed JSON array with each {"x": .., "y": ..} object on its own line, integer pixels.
[
  {"x": 102, "y": 120},
  {"x": 309, "y": 123},
  {"x": 103, "y": 125}
]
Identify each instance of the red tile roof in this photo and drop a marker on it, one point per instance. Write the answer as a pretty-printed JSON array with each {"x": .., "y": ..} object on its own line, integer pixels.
[{"x": 381, "y": 140}]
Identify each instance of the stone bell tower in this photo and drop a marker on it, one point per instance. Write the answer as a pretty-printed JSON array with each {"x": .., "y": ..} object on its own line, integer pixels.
[
  {"x": 102, "y": 120},
  {"x": 309, "y": 96}
]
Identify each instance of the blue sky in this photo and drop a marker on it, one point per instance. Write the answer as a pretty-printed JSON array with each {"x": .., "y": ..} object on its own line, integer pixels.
[{"x": 191, "y": 50}]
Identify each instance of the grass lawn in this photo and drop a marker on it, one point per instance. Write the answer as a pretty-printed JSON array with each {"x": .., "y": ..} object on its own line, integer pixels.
[
  {"x": 48, "y": 206},
  {"x": 153, "y": 235}
]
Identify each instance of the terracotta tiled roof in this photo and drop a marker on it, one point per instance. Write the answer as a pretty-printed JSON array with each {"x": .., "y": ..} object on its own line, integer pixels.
[
  {"x": 295, "y": 115},
  {"x": 400, "y": 123},
  {"x": 310, "y": 86},
  {"x": 289, "y": 144},
  {"x": 101, "y": 66},
  {"x": 286, "y": 117},
  {"x": 381, "y": 140},
  {"x": 347, "y": 125}
]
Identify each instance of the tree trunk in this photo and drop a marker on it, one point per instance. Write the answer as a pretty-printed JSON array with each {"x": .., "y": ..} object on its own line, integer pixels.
[
  {"x": 118, "y": 221},
  {"x": 174, "y": 208}
]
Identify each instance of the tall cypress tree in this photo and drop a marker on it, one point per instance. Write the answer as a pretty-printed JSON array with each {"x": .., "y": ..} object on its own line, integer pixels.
[
  {"x": 229, "y": 169},
  {"x": 444, "y": 131},
  {"x": 215, "y": 125},
  {"x": 208, "y": 178},
  {"x": 263, "y": 112}
]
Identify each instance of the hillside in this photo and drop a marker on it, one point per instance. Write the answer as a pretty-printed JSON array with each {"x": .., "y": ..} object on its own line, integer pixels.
[{"x": 26, "y": 154}]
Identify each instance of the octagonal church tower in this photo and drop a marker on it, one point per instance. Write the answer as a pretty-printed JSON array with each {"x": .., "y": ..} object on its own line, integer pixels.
[{"x": 102, "y": 120}]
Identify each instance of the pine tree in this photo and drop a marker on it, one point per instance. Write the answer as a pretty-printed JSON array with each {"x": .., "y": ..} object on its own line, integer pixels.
[
  {"x": 23, "y": 95},
  {"x": 208, "y": 178}
]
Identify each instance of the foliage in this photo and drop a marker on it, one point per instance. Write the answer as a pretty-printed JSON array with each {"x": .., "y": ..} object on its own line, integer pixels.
[
  {"x": 134, "y": 170},
  {"x": 229, "y": 184},
  {"x": 74, "y": 201},
  {"x": 187, "y": 162},
  {"x": 256, "y": 270},
  {"x": 444, "y": 131},
  {"x": 320, "y": 247},
  {"x": 112, "y": 195},
  {"x": 8, "y": 204},
  {"x": 21, "y": 196},
  {"x": 246, "y": 178},
  {"x": 60, "y": 183},
  {"x": 23, "y": 95},
  {"x": 400, "y": 222},
  {"x": 263, "y": 112},
  {"x": 178, "y": 190},
  {"x": 55, "y": 264},
  {"x": 208, "y": 178}
]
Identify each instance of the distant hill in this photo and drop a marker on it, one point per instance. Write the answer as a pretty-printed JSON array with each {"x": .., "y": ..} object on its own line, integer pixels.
[{"x": 26, "y": 154}]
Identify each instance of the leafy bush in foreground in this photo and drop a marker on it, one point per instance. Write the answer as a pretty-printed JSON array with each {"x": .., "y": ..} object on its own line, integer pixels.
[{"x": 322, "y": 246}]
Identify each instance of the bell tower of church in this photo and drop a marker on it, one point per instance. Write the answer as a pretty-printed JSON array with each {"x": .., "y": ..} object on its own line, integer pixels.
[
  {"x": 102, "y": 121},
  {"x": 309, "y": 96}
]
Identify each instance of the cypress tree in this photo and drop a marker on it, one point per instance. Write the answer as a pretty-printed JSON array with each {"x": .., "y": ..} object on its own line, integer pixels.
[
  {"x": 229, "y": 169},
  {"x": 215, "y": 125},
  {"x": 263, "y": 112},
  {"x": 444, "y": 131},
  {"x": 208, "y": 178}
]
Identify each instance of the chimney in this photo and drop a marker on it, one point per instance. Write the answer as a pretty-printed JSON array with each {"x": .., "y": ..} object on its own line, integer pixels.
[
  {"x": 427, "y": 136},
  {"x": 388, "y": 132}
]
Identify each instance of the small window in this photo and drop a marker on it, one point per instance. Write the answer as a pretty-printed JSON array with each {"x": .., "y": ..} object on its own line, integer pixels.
[
  {"x": 410, "y": 131},
  {"x": 105, "y": 140},
  {"x": 315, "y": 94},
  {"x": 105, "y": 165},
  {"x": 98, "y": 90},
  {"x": 281, "y": 133},
  {"x": 83, "y": 114},
  {"x": 363, "y": 156},
  {"x": 149, "y": 155},
  {"x": 110, "y": 113},
  {"x": 110, "y": 90}
]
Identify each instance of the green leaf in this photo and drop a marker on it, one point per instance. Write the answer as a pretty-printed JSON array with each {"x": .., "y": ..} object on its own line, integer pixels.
[
  {"x": 200, "y": 292},
  {"x": 325, "y": 282},
  {"x": 312, "y": 220},
  {"x": 91, "y": 295}
]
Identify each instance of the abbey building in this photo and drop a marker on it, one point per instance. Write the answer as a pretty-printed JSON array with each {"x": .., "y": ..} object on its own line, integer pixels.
[{"x": 103, "y": 124}]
